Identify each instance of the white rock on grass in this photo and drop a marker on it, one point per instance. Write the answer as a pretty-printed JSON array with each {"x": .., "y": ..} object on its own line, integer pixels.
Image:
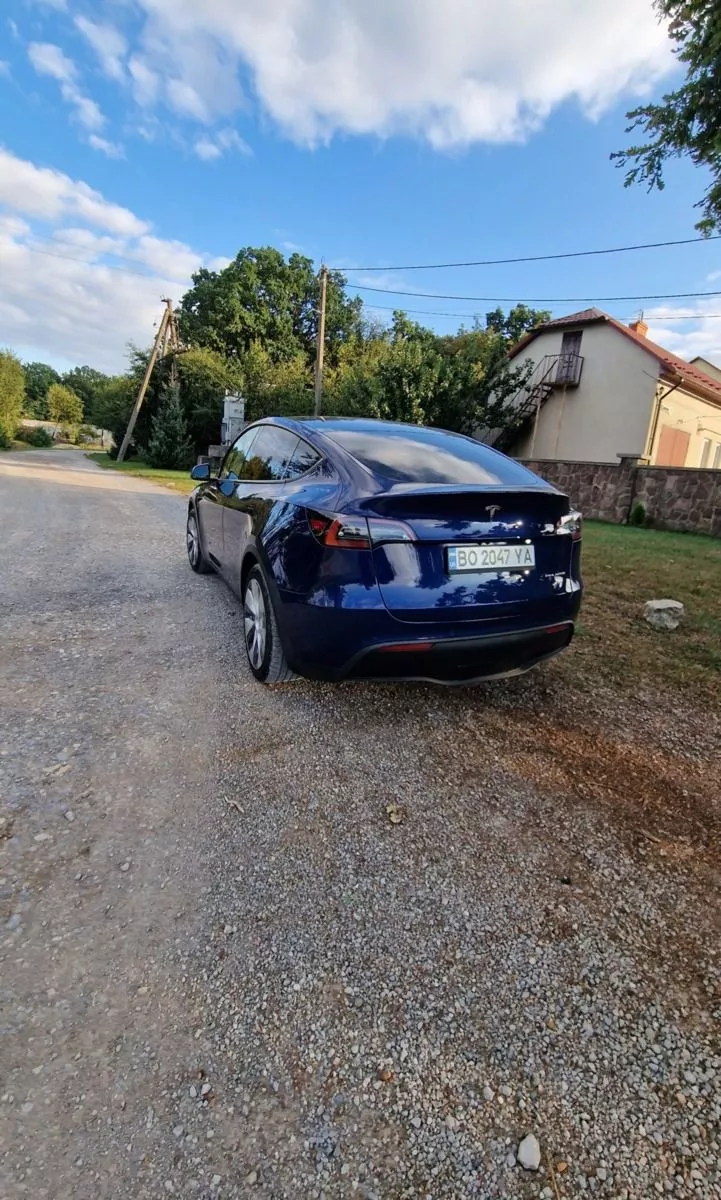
[
  {"x": 529, "y": 1153},
  {"x": 663, "y": 614}
]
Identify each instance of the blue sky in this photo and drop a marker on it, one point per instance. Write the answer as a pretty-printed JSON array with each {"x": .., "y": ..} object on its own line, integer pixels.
[{"x": 155, "y": 137}]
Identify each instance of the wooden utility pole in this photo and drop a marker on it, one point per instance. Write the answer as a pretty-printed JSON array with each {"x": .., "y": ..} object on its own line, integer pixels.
[
  {"x": 320, "y": 346},
  {"x": 166, "y": 328}
]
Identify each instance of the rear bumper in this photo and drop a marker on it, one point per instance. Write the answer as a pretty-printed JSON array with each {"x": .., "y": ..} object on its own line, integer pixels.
[
  {"x": 450, "y": 657},
  {"x": 462, "y": 660}
]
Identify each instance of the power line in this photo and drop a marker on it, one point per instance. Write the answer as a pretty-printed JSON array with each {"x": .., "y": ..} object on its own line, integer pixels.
[
  {"x": 85, "y": 262},
  {"x": 498, "y": 262},
  {"x": 439, "y": 296},
  {"x": 427, "y": 312},
  {"x": 532, "y": 299}
]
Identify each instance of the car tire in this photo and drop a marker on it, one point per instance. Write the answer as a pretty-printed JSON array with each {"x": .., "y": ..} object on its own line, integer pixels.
[
  {"x": 194, "y": 546},
  {"x": 263, "y": 647}
]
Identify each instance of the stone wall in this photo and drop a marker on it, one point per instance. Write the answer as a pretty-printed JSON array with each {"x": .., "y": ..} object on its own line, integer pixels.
[{"x": 679, "y": 498}]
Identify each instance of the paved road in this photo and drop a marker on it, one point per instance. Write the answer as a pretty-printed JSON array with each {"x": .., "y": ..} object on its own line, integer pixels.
[{"x": 224, "y": 973}]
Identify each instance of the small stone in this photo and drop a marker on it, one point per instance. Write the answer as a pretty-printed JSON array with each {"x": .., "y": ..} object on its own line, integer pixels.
[
  {"x": 602, "y": 1174},
  {"x": 205, "y": 1089},
  {"x": 416, "y": 1122},
  {"x": 345, "y": 1169},
  {"x": 510, "y": 1159},
  {"x": 169, "y": 1186},
  {"x": 252, "y": 1178},
  {"x": 529, "y": 1153},
  {"x": 215, "y": 1181},
  {"x": 178, "y": 1131},
  {"x": 193, "y": 1092},
  {"x": 69, "y": 814},
  {"x": 487, "y": 1093},
  {"x": 664, "y": 614},
  {"x": 125, "y": 866}
]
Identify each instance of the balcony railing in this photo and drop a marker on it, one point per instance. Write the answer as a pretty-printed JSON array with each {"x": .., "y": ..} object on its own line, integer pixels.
[{"x": 568, "y": 370}]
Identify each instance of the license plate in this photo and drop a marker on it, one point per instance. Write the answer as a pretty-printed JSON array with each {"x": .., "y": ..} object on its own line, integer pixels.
[{"x": 500, "y": 557}]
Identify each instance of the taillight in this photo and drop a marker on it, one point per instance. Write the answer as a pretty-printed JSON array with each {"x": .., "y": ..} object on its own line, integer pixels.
[
  {"x": 571, "y": 526},
  {"x": 355, "y": 533},
  {"x": 348, "y": 533}
]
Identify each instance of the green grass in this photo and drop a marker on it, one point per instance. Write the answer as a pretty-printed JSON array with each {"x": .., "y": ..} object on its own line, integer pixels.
[
  {"x": 623, "y": 567},
  {"x": 178, "y": 481}
]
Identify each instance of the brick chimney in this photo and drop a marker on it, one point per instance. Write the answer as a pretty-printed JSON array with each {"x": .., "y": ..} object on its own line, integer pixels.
[{"x": 640, "y": 327}]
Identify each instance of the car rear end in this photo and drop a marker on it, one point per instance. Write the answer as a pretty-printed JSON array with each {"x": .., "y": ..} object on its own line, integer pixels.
[{"x": 452, "y": 582}]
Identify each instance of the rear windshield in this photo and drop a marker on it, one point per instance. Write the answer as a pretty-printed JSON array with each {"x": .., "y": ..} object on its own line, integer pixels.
[{"x": 428, "y": 456}]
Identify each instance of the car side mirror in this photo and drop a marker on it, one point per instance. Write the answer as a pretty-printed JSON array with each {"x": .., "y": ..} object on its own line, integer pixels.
[{"x": 200, "y": 472}]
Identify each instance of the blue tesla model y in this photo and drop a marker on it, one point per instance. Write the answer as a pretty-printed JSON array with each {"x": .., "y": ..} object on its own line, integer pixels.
[{"x": 366, "y": 549}]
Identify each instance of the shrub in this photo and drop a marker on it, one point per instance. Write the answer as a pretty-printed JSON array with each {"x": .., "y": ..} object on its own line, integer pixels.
[
  {"x": 40, "y": 437},
  {"x": 638, "y": 514},
  {"x": 12, "y": 391},
  {"x": 5, "y": 441},
  {"x": 86, "y": 433}
]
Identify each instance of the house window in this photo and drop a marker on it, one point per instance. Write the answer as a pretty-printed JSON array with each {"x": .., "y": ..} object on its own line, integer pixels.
[
  {"x": 569, "y": 361},
  {"x": 717, "y": 457},
  {"x": 705, "y": 452}
]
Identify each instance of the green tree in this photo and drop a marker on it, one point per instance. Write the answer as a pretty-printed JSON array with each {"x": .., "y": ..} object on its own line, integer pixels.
[
  {"x": 87, "y": 383},
  {"x": 39, "y": 378},
  {"x": 170, "y": 445},
  {"x": 204, "y": 377},
  {"x": 262, "y": 297},
  {"x": 512, "y": 326},
  {"x": 113, "y": 406},
  {"x": 64, "y": 407},
  {"x": 12, "y": 391},
  {"x": 687, "y": 121}
]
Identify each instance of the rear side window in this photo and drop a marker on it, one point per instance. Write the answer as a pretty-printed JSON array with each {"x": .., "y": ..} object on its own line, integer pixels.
[
  {"x": 304, "y": 457},
  {"x": 428, "y": 456},
  {"x": 272, "y": 453}
]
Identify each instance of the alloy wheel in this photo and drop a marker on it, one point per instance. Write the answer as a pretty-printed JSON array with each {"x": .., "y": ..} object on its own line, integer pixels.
[
  {"x": 255, "y": 620},
  {"x": 193, "y": 541}
]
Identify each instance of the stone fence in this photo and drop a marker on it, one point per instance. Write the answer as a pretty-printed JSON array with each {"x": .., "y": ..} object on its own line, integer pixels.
[{"x": 686, "y": 499}]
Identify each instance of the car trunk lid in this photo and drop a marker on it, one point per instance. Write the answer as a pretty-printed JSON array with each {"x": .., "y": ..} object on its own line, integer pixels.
[{"x": 505, "y": 528}]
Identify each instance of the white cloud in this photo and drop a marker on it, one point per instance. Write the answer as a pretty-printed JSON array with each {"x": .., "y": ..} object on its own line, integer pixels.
[
  {"x": 111, "y": 149},
  {"x": 50, "y": 195},
  {"x": 63, "y": 293},
  {"x": 109, "y": 45},
  {"x": 48, "y": 59},
  {"x": 145, "y": 83},
  {"x": 451, "y": 71},
  {"x": 4, "y": 67},
  {"x": 209, "y": 148},
  {"x": 184, "y": 99},
  {"x": 206, "y": 149},
  {"x": 699, "y": 334}
]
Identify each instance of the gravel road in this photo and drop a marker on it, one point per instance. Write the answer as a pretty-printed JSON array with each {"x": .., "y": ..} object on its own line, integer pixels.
[{"x": 224, "y": 972}]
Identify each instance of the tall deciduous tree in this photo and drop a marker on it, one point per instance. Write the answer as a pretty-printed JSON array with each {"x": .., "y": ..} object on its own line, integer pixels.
[
  {"x": 87, "y": 383},
  {"x": 64, "y": 407},
  {"x": 39, "y": 378},
  {"x": 687, "y": 122},
  {"x": 12, "y": 391},
  {"x": 261, "y": 297}
]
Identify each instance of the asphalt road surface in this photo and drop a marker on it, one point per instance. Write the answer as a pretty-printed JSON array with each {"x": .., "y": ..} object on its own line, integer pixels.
[{"x": 224, "y": 972}]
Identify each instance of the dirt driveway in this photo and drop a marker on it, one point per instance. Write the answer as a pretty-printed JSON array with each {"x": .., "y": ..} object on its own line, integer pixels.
[{"x": 225, "y": 973}]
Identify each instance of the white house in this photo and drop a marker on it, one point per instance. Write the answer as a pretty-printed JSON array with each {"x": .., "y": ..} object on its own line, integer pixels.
[{"x": 601, "y": 389}]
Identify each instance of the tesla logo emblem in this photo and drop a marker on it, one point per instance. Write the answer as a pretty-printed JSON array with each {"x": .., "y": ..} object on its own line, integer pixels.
[{"x": 492, "y": 509}]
